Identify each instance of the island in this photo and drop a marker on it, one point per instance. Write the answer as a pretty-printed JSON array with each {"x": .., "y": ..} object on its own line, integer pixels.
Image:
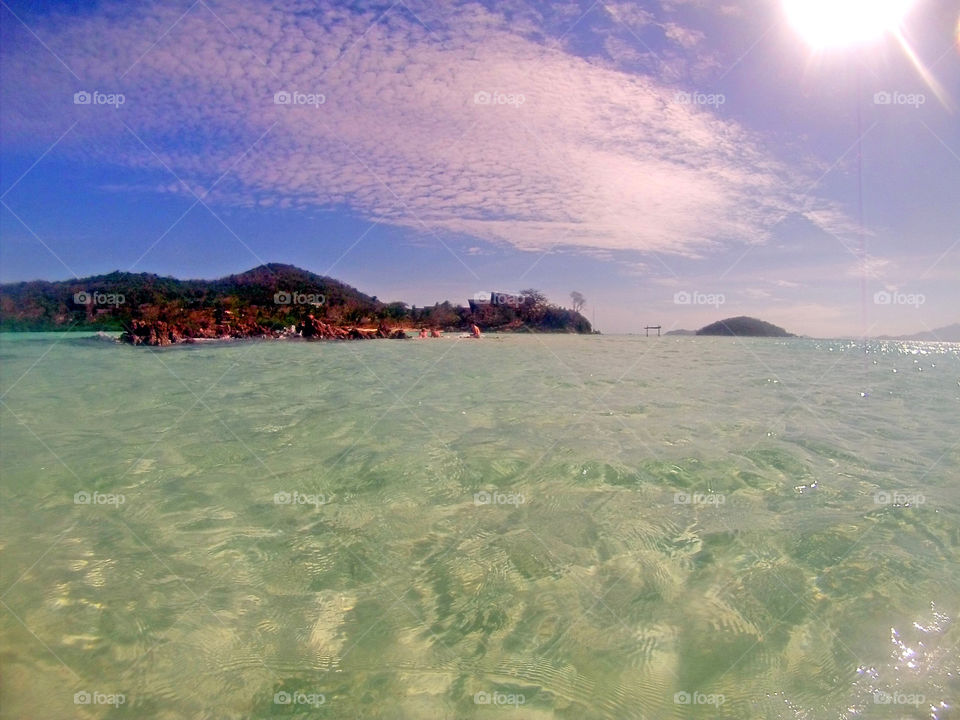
[
  {"x": 948, "y": 333},
  {"x": 743, "y": 326},
  {"x": 274, "y": 300}
]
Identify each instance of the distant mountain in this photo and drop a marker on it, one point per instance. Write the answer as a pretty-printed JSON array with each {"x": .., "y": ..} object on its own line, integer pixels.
[
  {"x": 744, "y": 326},
  {"x": 948, "y": 333},
  {"x": 681, "y": 332}
]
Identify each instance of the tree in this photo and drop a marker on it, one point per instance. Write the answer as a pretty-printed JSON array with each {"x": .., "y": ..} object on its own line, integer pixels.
[
  {"x": 578, "y": 301},
  {"x": 395, "y": 311},
  {"x": 534, "y": 297}
]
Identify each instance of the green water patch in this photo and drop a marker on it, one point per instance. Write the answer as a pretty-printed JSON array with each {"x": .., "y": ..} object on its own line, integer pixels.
[
  {"x": 478, "y": 622},
  {"x": 776, "y": 594},
  {"x": 353, "y": 562},
  {"x": 824, "y": 549},
  {"x": 630, "y": 592},
  {"x": 539, "y": 625},
  {"x": 706, "y": 475},
  {"x": 785, "y": 464},
  {"x": 530, "y": 557},
  {"x": 707, "y": 652},
  {"x": 682, "y": 474},
  {"x": 710, "y": 547},
  {"x": 827, "y": 451},
  {"x": 596, "y": 473}
]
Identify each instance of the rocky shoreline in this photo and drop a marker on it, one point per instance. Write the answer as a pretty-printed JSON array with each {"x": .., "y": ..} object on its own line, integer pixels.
[{"x": 160, "y": 333}]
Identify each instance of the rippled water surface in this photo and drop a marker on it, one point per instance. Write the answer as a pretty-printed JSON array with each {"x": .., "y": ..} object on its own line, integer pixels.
[{"x": 524, "y": 526}]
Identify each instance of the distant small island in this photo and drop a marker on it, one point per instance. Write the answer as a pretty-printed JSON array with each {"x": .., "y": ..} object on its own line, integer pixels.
[
  {"x": 270, "y": 301},
  {"x": 948, "y": 333},
  {"x": 744, "y": 326}
]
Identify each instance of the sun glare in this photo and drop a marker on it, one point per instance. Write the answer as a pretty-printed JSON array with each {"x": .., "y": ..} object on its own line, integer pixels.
[{"x": 839, "y": 23}]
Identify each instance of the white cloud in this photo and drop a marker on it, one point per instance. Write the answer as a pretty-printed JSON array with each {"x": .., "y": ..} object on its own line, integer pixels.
[
  {"x": 630, "y": 14},
  {"x": 685, "y": 37},
  {"x": 873, "y": 268},
  {"x": 757, "y": 294},
  {"x": 575, "y": 155}
]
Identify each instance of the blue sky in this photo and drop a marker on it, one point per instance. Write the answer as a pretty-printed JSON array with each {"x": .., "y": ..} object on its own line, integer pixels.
[{"x": 676, "y": 161}]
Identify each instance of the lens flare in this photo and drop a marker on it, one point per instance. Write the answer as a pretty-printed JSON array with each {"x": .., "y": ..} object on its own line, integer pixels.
[{"x": 838, "y": 23}]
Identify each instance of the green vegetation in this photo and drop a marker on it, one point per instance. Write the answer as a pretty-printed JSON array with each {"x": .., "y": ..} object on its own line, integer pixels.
[
  {"x": 745, "y": 327},
  {"x": 266, "y": 298}
]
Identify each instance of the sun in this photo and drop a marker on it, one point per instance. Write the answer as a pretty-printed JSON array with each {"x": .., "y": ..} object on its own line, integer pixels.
[{"x": 828, "y": 24}]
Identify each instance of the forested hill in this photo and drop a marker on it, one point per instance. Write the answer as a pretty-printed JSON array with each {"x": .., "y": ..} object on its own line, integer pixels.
[
  {"x": 744, "y": 326},
  {"x": 258, "y": 301},
  {"x": 107, "y": 301}
]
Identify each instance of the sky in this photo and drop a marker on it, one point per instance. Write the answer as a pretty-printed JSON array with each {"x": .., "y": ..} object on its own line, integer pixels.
[{"x": 675, "y": 161}]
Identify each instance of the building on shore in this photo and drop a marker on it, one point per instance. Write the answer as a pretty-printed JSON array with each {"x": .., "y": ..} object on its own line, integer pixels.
[{"x": 495, "y": 298}]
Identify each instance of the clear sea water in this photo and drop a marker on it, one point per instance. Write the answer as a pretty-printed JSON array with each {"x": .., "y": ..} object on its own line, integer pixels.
[{"x": 517, "y": 527}]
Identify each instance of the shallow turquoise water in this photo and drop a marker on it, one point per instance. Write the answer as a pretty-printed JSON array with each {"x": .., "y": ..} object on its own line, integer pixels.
[{"x": 766, "y": 528}]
